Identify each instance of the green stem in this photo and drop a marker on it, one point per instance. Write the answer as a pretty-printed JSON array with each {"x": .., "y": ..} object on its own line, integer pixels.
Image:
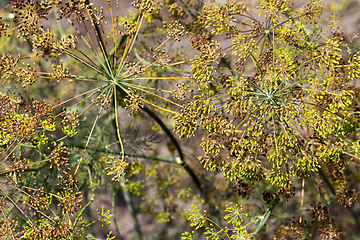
[
  {"x": 113, "y": 212},
  {"x": 100, "y": 41},
  {"x": 3, "y": 3},
  {"x": 127, "y": 197},
  {"x": 90, "y": 201},
  {"x": 266, "y": 215},
  {"x": 131, "y": 209},
  {"x": 58, "y": 22},
  {"x": 12, "y": 207},
  {"x": 122, "y": 38},
  {"x": 187, "y": 8}
]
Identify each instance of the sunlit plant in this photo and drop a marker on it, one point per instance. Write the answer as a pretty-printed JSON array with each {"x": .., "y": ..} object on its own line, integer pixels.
[
  {"x": 114, "y": 74},
  {"x": 276, "y": 96}
]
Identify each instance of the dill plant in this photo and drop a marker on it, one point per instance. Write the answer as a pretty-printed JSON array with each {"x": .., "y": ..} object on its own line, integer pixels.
[
  {"x": 275, "y": 100},
  {"x": 117, "y": 70}
]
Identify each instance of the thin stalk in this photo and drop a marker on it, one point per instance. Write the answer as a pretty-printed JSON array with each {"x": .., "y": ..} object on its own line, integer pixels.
[
  {"x": 122, "y": 38},
  {"x": 59, "y": 25},
  {"x": 129, "y": 45},
  {"x": 266, "y": 215},
  {"x": 187, "y": 8},
  {"x": 131, "y": 209},
  {"x": 127, "y": 196},
  {"x": 8, "y": 98},
  {"x": 90, "y": 201},
  {"x": 12, "y": 207},
  {"x": 10, "y": 199},
  {"x": 120, "y": 142},
  {"x": 140, "y": 88},
  {"x": 99, "y": 39},
  {"x": 4, "y": 4},
  {"x": 88, "y": 140},
  {"x": 113, "y": 211},
  {"x": 7, "y": 226}
]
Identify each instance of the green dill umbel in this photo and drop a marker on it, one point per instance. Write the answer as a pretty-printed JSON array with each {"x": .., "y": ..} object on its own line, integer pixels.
[
  {"x": 285, "y": 108},
  {"x": 107, "y": 66},
  {"x": 275, "y": 96}
]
